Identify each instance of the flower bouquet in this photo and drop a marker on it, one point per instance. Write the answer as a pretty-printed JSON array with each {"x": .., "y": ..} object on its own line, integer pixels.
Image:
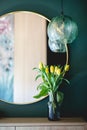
[{"x": 52, "y": 77}]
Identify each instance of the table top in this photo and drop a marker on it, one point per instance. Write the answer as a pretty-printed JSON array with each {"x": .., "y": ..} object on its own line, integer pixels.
[{"x": 40, "y": 121}]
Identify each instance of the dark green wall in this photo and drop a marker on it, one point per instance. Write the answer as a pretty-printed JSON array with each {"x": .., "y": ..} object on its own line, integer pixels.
[{"x": 75, "y": 101}]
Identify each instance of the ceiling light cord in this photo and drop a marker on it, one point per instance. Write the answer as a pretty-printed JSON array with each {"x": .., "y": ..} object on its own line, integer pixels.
[{"x": 62, "y": 8}]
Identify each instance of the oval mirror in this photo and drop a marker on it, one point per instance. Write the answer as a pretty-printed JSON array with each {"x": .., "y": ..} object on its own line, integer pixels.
[{"x": 23, "y": 44}]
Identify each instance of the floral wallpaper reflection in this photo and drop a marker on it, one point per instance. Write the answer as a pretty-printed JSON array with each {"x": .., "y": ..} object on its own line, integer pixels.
[{"x": 6, "y": 57}]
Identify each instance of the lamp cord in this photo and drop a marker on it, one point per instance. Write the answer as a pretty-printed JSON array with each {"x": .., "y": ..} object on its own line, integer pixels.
[{"x": 62, "y": 10}]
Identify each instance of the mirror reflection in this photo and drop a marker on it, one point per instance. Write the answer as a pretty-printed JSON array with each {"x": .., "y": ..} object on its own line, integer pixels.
[{"x": 22, "y": 46}]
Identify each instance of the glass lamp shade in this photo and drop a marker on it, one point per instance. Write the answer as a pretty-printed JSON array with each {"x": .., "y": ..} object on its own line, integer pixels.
[
  {"x": 56, "y": 46},
  {"x": 63, "y": 29}
]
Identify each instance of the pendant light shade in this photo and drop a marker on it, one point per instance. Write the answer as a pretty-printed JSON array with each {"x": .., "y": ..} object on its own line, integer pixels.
[
  {"x": 63, "y": 29},
  {"x": 56, "y": 46}
]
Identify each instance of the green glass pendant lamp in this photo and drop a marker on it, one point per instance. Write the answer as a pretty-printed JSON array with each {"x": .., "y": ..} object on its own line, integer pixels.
[{"x": 61, "y": 30}]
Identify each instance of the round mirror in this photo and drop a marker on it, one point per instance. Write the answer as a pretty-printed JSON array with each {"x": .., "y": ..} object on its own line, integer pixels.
[{"x": 23, "y": 44}]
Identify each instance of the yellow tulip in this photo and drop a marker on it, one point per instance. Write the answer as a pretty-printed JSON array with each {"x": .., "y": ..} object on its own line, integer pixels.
[
  {"x": 40, "y": 65},
  {"x": 66, "y": 68},
  {"x": 47, "y": 70},
  {"x": 58, "y": 71},
  {"x": 52, "y": 69}
]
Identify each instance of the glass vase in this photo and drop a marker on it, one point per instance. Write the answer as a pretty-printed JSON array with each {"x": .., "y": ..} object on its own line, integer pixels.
[
  {"x": 53, "y": 113},
  {"x": 53, "y": 109}
]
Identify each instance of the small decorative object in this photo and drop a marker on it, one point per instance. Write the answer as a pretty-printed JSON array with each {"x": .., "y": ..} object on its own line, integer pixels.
[{"x": 52, "y": 77}]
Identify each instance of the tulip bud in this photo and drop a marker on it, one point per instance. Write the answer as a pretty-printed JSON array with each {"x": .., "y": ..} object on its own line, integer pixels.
[
  {"x": 58, "y": 71},
  {"x": 66, "y": 67},
  {"x": 52, "y": 69},
  {"x": 40, "y": 65},
  {"x": 47, "y": 70}
]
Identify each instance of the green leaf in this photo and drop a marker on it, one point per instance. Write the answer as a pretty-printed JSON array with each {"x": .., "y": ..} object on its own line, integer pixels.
[
  {"x": 38, "y": 76},
  {"x": 36, "y": 68},
  {"x": 42, "y": 93},
  {"x": 60, "y": 97},
  {"x": 66, "y": 80},
  {"x": 42, "y": 86}
]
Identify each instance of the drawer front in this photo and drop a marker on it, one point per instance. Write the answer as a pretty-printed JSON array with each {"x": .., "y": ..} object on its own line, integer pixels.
[
  {"x": 51, "y": 128},
  {"x": 7, "y": 128}
]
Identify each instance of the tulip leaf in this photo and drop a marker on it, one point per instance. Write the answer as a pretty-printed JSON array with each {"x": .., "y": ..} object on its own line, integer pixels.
[
  {"x": 42, "y": 93},
  {"x": 60, "y": 97}
]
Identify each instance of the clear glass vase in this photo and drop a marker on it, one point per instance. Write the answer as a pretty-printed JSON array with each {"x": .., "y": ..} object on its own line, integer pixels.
[
  {"x": 53, "y": 113},
  {"x": 53, "y": 108}
]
